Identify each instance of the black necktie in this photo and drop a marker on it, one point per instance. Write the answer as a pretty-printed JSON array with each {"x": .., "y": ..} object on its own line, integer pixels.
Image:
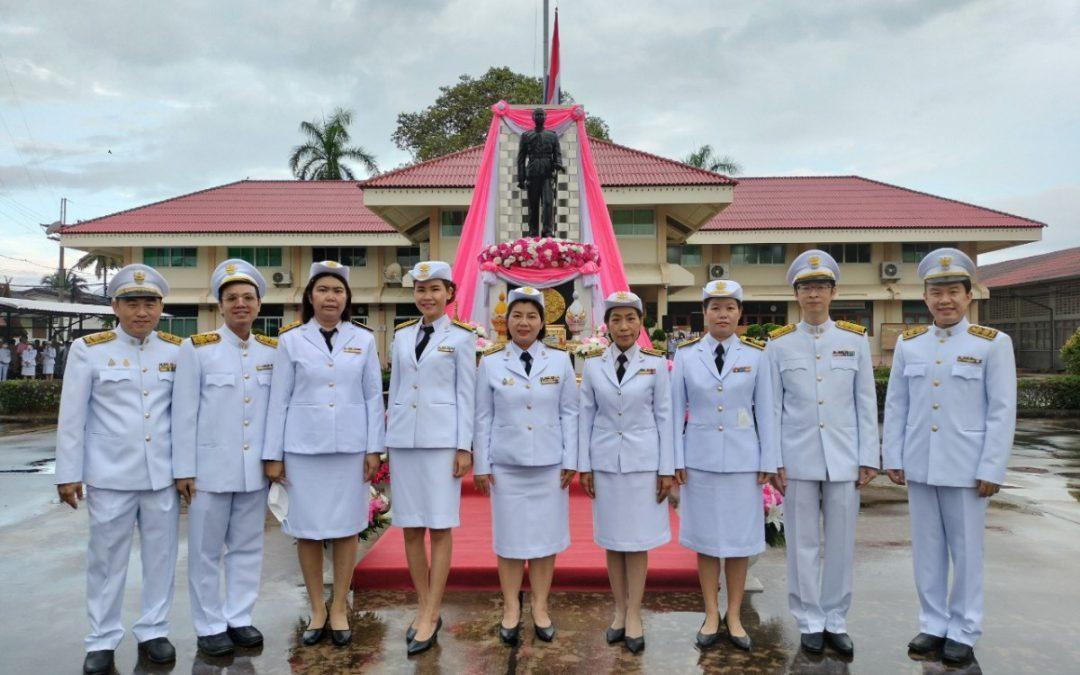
[
  {"x": 621, "y": 370},
  {"x": 326, "y": 335},
  {"x": 427, "y": 330},
  {"x": 720, "y": 358},
  {"x": 526, "y": 358}
]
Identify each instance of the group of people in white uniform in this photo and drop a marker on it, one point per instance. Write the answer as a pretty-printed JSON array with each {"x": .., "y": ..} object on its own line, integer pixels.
[{"x": 146, "y": 417}]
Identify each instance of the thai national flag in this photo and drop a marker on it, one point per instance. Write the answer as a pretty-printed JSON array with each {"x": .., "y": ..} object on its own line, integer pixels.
[{"x": 552, "y": 95}]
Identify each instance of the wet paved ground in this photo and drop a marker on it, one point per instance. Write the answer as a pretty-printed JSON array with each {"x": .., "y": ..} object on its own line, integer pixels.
[{"x": 1032, "y": 605}]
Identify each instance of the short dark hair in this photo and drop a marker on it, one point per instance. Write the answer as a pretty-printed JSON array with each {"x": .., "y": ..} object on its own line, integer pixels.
[
  {"x": 539, "y": 308},
  {"x": 609, "y": 310},
  {"x": 308, "y": 310},
  {"x": 705, "y": 303},
  {"x": 965, "y": 282},
  {"x": 222, "y": 287}
]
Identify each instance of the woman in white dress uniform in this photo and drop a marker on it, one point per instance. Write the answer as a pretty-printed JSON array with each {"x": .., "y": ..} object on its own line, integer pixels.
[
  {"x": 429, "y": 437},
  {"x": 324, "y": 433},
  {"x": 526, "y": 449},
  {"x": 626, "y": 458},
  {"x": 723, "y": 455},
  {"x": 48, "y": 360},
  {"x": 29, "y": 361}
]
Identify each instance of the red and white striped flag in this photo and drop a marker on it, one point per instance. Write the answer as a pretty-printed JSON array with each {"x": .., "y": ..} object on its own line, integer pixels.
[{"x": 552, "y": 95}]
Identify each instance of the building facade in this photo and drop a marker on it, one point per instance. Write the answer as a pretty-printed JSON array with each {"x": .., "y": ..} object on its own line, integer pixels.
[{"x": 677, "y": 227}]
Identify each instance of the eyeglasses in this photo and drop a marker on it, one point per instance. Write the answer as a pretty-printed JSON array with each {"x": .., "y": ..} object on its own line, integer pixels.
[{"x": 809, "y": 289}]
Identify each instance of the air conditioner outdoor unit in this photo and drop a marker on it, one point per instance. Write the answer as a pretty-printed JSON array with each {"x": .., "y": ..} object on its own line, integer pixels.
[
  {"x": 890, "y": 270},
  {"x": 282, "y": 278},
  {"x": 717, "y": 271}
]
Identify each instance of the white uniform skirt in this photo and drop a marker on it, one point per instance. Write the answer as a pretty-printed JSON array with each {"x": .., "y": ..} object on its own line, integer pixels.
[
  {"x": 530, "y": 512},
  {"x": 423, "y": 490},
  {"x": 328, "y": 498},
  {"x": 626, "y": 516},
  {"x": 722, "y": 514}
]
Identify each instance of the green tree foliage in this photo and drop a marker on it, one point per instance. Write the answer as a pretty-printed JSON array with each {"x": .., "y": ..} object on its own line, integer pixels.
[
  {"x": 1070, "y": 354},
  {"x": 322, "y": 155},
  {"x": 460, "y": 116},
  {"x": 705, "y": 158}
]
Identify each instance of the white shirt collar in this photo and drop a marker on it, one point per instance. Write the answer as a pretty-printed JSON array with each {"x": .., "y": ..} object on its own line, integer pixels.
[
  {"x": 816, "y": 330},
  {"x": 960, "y": 327},
  {"x": 534, "y": 349}
]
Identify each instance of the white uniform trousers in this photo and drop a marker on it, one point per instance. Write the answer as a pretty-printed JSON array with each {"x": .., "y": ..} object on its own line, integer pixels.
[
  {"x": 3, "y": 371},
  {"x": 232, "y": 522},
  {"x": 819, "y": 599},
  {"x": 113, "y": 517},
  {"x": 948, "y": 522}
]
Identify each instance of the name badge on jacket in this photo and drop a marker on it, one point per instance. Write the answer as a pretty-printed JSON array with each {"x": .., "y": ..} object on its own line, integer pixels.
[
  {"x": 647, "y": 371},
  {"x": 508, "y": 381},
  {"x": 741, "y": 369},
  {"x": 165, "y": 367},
  {"x": 844, "y": 353},
  {"x": 353, "y": 350},
  {"x": 446, "y": 348},
  {"x": 549, "y": 379},
  {"x": 968, "y": 359}
]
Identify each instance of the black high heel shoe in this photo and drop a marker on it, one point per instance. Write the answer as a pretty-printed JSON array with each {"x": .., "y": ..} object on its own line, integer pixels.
[
  {"x": 410, "y": 634},
  {"x": 741, "y": 642},
  {"x": 635, "y": 645},
  {"x": 340, "y": 638},
  {"x": 511, "y": 636},
  {"x": 546, "y": 634},
  {"x": 313, "y": 636},
  {"x": 706, "y": 640},
  {"x": 613, "y": 635}
]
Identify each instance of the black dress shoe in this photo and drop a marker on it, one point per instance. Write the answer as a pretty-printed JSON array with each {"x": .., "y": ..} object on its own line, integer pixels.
[
  {"x": 706, "y": 640},
  {"x": 313, "y": 636},
  {"x": 158, "y": 650},
  {"x": 925, "y": 643},
  {"x": 742, "y": 642},
  {"x": 218, "y": 644},
  {"x": 410, "y": 634},
  {"x": 546, "y": 634},
  {"x": 841, "y": 642},
  {"x": 957, "y": 653},
  {"x": 340, "y": 638},
  {"x": 509, "y": 636},
  {"x": 98, "y": 662},
  {"x": 419, "y": 646},
  {"x": 813, "y": 643},
  {"x": 245, "y": 636},
  {"x": 635, "y": 645},
  {"x": 614, "y": 635}
]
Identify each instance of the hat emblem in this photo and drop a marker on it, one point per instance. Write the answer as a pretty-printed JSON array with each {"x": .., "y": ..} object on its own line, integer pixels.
[
  {"x": 945, "y": 261},
  {"x": 331, "y": 263},
  {"x": 815, "y": 262},
  {"x": 719, "y": 287},
  {"x": 140, "y": 276},
  {"x": 230, "y": 268},
  {"x": 622, "y": 296},
  {"x": 424, "y": 270},
  {"x": 528, "y": 290}
]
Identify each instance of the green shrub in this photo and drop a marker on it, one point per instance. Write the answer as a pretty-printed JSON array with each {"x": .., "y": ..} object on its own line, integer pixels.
[
  {"x": 1051, "y": 393},
  {"x": 882, "y": 372},
  {"x": 754, "y": 330},
  {"x": 29, "y": 396},
  {"x": 768, "y": 328},
  {"x": 658, "y": 336},
  {"x": 1070, "y": 354}
]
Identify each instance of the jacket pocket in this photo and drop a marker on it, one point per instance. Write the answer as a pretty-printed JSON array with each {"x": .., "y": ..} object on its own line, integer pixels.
[
  {"x": 220, "y": 379},
  {"x": 967, "y": 371},
  {"x": 116, "y": 374},
  {"x": 914, "y": 370}
]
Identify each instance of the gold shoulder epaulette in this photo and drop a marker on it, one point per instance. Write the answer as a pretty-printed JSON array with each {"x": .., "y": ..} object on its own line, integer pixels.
[
  {"x": 691, "y": 341},
  {"x": 781, "y": 331},
  {"x": 982, "y": 331},
  {"x": 595, "y": 352},
  {"x": 653, "y": 352},
  {"x": 462, "y": 324},
  {"x": 851, "y": 327},
  {"x": 495, "y": 350},
  {"x": 360, "y": 324},
  {"x": 99, "y": 338},
  {"x": 203, "y": 339},
  {"x": 170, "y": 338},
  {"x": 266, "y": 340},
  {"x": 405, "y": 324},
  {"x": 561, "y": 348},
  {"x": 289, "y": 326},
  {"x": 752, "y": 342},
  {"x": 914, "y": 332}
]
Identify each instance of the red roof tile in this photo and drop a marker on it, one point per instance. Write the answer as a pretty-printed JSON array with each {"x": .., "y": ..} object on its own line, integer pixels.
[
  {"x": 1037, "y": 268},
  {"x": 616, "y": 166},
  {"x": 249, "y": 206},
  {"x": 848, "y": 202}
]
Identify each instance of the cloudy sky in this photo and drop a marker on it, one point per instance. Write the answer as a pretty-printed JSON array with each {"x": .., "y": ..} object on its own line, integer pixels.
[{"x": 114, "y": 103}]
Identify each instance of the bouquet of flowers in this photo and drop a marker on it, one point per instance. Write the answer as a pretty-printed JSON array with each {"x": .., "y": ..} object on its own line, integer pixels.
[
  {"x": 774, "y": 515},
  {"x": 540, "y": 253},
  {"x": 591, "y": 344},
  {"x": 378, "y": 511}
]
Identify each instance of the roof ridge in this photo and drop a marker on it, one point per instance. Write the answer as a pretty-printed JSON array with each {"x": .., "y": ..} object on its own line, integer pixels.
[
  {"x": 157, "y": 203},
  {"x": 410, "y": 167},
  {"x": 1025, "y": 260},
  {"x": 711, "y": 174},
  {"x": 949, "y": 199}
]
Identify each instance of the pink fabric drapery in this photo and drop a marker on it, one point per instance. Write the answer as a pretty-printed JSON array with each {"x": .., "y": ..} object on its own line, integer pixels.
[
  {"x": 467, "y": 267},
  {"x": 545, "y": 278}
]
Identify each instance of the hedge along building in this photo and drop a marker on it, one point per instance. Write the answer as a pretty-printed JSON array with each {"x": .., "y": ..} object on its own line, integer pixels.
[
  {"x": 1036, "y": 300},
  {"x": 677, "y": 227}
]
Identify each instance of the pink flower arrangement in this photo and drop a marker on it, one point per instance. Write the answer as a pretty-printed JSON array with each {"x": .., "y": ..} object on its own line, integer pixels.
[
  {"x": 774, "y": 515},
  {"x": 540, "y": 253},
  {"x": 378, "y": 510},
  {"x": 591, "y": 344}
]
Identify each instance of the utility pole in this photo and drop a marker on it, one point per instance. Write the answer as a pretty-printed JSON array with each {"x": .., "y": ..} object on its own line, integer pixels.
[{"x": 52, "y": 231}]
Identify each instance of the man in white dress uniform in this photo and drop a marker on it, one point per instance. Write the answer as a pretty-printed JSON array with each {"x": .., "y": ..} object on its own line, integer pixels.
[
  {"x": 826, "y": 412},
  {"x": 950, "y": 416},
  {"x": 219, "y": 415},
  {"x": 114, "y": 434}
]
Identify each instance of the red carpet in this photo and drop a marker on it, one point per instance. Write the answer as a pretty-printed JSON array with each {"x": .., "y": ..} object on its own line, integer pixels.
[{"x": 581, "y": 567}]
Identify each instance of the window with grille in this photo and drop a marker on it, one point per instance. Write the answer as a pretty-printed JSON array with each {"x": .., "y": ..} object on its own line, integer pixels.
[
  {"x": 174, "y": 256},
  {"x": 758, "y": 254}
]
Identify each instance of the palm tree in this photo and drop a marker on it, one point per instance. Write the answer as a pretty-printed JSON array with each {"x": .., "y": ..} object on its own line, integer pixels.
[
  {"x": 320, "y": 157},
  {"x": 70, "y": 283},
  {"x": 705, "y": 158},
  {"x": 102, "y": 262}
]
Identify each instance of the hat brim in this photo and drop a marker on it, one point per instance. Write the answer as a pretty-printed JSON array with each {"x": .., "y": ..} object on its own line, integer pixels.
[
  {"x": 138, "y": 292},
  {"x": 946, "y": 278}
]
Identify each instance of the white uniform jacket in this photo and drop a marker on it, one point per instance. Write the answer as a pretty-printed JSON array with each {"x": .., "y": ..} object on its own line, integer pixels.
[
  {"x": 950, "y": 411},
  {"x": 324, "y": 402},
  {"x": 730, "y": 426},
  {"x": 526, "y": 420},
  {"x": 220, "y": 397},
  {"x": 826, "y": 404},
  {"x": 114, "y": 429},
  {"x": 431, "y": 400},
  {"x": 626, "y": 427}
]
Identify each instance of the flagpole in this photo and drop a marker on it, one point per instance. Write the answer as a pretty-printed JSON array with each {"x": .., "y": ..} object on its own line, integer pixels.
[{"x": 543, "y": 96}]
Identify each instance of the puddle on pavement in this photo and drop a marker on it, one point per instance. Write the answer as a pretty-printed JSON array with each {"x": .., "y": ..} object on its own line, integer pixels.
[{"x": 45, "y": 466}]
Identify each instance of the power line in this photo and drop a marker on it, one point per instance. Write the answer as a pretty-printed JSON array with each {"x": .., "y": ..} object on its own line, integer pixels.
[
  {"x": 26, "y": 124},
  {"x": 31, "y": 262}
]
